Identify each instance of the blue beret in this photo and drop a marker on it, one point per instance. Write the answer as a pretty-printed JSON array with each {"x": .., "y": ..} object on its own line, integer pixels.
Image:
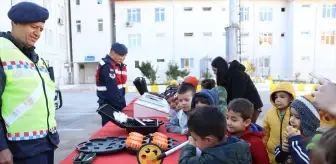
[
  {"x": 120, "y": 49},
  {"x": 28, "y": 12}
]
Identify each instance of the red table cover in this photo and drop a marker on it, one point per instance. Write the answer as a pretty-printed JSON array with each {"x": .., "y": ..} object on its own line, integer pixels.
[{"x": 110, "y": 130}]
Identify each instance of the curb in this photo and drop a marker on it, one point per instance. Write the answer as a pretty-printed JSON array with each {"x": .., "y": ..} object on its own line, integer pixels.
[
  {"x": 267, "y": 86},
  {"x": 298, "y": 87}
]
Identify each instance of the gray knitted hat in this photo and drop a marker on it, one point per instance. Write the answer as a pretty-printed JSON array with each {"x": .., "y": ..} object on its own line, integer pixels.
[{"x": 309, "y": 115}]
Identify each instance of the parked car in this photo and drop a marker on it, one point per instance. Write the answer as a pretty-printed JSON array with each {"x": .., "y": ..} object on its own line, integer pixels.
[{"x": 58, "y": 99}]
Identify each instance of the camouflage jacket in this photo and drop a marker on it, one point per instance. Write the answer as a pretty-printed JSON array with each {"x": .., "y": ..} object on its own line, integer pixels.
[{"x": 222, "y": 94}]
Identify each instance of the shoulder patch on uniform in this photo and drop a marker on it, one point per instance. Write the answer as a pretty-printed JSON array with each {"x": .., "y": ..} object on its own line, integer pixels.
[
  {"x": 112, "y": 75},
  {"x": 102, "y": 62}
]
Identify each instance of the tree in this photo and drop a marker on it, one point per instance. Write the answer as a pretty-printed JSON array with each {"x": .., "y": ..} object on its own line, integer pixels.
[
  {"x": 174, "y": 72},
  {"x": 207, "y": 74},
  {"x": 148, "y": 70},
  {"x": 250, "y": 68}
]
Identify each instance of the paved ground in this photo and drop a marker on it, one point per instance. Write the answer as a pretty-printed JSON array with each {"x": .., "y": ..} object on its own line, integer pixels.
[{"x": 78, "y": 120}]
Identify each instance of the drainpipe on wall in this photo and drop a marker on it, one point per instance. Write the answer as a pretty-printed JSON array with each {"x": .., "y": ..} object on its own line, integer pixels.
[
  {"x": 70, "y": 43},
  {"x": 113, "y": 29},
  {"x": 315, "y": 35}
]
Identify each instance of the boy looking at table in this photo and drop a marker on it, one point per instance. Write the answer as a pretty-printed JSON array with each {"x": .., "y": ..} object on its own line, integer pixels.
[{"x": 207, "y": 126}]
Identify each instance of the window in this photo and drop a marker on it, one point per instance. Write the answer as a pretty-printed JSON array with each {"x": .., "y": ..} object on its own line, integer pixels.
[
  {"x": 283, "y": 9},
  {"x": 328, "y": 37},
  {"x": 188, "y": 9},
  {"x": 187, "y": 63},
  {"x": 77, "y": 2},
  {"x": 78, "y": 26},
  {"x": 60, "y": 41},
  {"x": 134, "y": 15},
  {"x": 99, "y": 1},
  {"x": 306, "y": 6},
  {"x": 264, "y": 62},
  {"x": 188, "y": 34},
  {"x": 159, "y": 14},
  {"x": 160, "y": 60},
  {"x": 207, "y": 33},
  {"x": 206, "y": 8},
  {"x": 48, "y": 37},
  {"x": 244, "y": 14},
  {"x": 223, "y": 9},
  {"x": 64, "y": 42},
  {"x": 160, "y": 34},
  {"x": 305, "y": 32},
  {"x": 137, "y": 64},
  {"x": 244, "y": 34},
  {"x": 265, "y": 14},
  {"x": 329, "y": 11},
  {"x": 45, "y": 35},
  {"x": 134, "y": 40},
  {"x": 282, "y": 34},
  {"x": 265, "y": 39},
  {"x": 100, "y": 25}
]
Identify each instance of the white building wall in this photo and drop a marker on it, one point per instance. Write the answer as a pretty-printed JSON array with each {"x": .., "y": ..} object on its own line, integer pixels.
[
  {"x": 310, "y": 54},
  {"x": 252, "y": 50},
  {"x": 166, "y": 40},
  {"x": 89, "y": 44},
  {"x": 52, "y": 45}
]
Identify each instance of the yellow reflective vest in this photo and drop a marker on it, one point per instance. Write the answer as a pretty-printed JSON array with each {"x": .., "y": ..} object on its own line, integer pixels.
[{"x": 28, "y": 106}]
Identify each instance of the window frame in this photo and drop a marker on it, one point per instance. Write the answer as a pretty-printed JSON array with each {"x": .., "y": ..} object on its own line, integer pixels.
[
  {"x": 134, "y": 15},
  {"x": 265, "y": 14},
  {"x": 134, "y": 41},
  {"x": 160, "y": 14}
]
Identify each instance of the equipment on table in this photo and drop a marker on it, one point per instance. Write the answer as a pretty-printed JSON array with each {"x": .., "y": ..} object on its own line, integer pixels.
[
  {"x": 135, "y": 140},
  {"x": 83, "y": 158},
  {"x": 143, "y": 126},
  {"x": 153, "y": 154},
  {"x": 149, "y": 105},
  {"x": 107, "y": 145},
  {"x": 141, "y": 85}
]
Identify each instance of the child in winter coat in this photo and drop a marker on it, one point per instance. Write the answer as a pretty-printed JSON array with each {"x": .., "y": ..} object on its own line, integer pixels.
[
  {"x": 304, "y": 121},
  {"x": 178, "y": 124},
  {"x": 208, "y": 83},
  {"x": 222, "y": 95},
  {"x": 207, "y": 126},
  {"x": 203, "y": 98},
  {"x": 170, "y": 96},
  {"x": 277, "y": 118},
  {"x": 238, "y": 117}
]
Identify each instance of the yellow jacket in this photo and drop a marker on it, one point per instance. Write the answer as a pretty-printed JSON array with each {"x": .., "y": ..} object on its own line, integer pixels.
[{"x": 274, "y": 128}]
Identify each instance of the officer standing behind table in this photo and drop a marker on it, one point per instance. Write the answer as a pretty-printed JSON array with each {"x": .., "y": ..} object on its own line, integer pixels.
[
  {"x": 27, "y": 124},
  {"x": 111, "y": 77}
]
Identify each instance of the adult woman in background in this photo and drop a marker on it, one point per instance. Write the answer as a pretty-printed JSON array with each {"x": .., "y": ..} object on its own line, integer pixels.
[{"x": 237, "y": 83}]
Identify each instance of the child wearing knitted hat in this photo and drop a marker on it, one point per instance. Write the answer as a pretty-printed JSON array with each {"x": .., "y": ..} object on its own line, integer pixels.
[
  {"x": 171, "y": 97},
  {"x": 327, "y": 120},
  {"x": 178, "y": 124},
  {"x": 304, "y": 121}
]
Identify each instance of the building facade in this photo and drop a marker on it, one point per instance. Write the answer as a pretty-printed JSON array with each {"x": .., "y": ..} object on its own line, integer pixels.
[
  {"x": 183, "y": 32},
  {"x": 91, "y": 30},
  {"x": 284, "y": 39},
  {"x": 53, "y": 43}
]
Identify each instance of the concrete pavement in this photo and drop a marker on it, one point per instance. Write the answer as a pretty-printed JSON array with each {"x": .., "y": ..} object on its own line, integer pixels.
[{"x": 77, "y": 119}]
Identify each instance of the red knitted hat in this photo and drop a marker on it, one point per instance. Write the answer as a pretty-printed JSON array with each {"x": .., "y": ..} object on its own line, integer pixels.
[{"x": 191, "y": 80}]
